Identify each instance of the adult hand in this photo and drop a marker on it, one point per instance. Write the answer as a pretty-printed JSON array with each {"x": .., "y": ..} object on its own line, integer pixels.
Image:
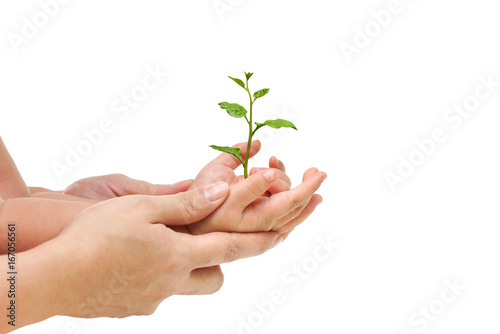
[
  {"x": 118, "y": 258},
  {"x": 246, "y": 210},
  {"x": 222, "y": 169},
  {"x": 116, "y": 185}
]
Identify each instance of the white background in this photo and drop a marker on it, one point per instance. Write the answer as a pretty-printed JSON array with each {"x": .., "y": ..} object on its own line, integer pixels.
[{"x": 397, "y": 248}]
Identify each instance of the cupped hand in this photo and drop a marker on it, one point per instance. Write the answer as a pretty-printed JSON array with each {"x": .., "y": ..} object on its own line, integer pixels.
[
  {"x": 223, "y": 168},
  {"x": 123, "y": 249},
  {"x": 246, "y": 210},
  {"x": 116, "y": 185}
]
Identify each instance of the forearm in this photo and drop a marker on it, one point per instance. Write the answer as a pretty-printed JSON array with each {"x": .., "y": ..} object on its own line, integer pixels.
[
  {"x": 35, "y": 291},
  {"x": 56, "y": 195},
  {"x": 11, "y": 183},
  {"x": 37, "y": 220}
]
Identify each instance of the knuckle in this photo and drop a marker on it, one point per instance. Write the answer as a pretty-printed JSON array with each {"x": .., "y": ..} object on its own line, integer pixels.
[
  {"x": 256, "y": 186},
  {"x": 189, "y": 207},
  {"x": 233, "y": 251}
]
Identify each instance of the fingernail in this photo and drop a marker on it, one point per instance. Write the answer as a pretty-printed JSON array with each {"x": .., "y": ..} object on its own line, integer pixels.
[
  {"x": 270, "y": 175},
  {"x": 215, "y": 191}
]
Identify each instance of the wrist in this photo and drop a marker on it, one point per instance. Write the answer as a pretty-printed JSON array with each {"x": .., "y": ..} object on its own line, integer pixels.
[{"x": 44, "y": 279}]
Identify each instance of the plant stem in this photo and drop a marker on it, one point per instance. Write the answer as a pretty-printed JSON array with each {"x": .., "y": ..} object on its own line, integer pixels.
[{"x": 250, "y": 133}]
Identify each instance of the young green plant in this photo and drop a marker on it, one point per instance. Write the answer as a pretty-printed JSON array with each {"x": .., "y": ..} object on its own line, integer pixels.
[{"x": 238, "y": 111}]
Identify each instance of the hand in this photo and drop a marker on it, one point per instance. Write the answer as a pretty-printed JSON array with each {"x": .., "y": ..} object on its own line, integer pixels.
[
  {"x": 116, "y": 185},
  {"x": 118, "y": 258},
  {"x": 222, "y": 169},
  {"x": 246, "y": 210}
]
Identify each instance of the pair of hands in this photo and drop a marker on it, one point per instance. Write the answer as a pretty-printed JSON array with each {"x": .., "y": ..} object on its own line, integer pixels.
[
  {"x": 173, "y": 242},
  {"x": 264, "y": 202}
]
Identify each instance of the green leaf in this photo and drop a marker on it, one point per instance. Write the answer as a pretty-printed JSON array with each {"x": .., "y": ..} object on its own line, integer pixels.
[
  {"x": 239, "y": 82},
  {"x": 233, "y": 151},
  {"x": 233, "y": 109},
  {"x": 248, "y": 75},
  {"x": 260, "y": 93},
  {"x": 276, "y": 124}
]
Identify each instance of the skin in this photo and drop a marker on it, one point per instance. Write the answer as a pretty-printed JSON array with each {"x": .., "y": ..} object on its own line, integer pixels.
[
  {"x": 43, "y": 215},
  {"x": 258, "y": 203},
  {"x": 123, "y": 249},
  {"x": 11, "y": 183},
  {"x": 105, "y": 243},
  {"x": 117, "y": 185}
]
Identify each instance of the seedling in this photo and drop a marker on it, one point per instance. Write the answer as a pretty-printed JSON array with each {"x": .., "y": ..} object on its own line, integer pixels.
[{"x": 238, "y": 111}]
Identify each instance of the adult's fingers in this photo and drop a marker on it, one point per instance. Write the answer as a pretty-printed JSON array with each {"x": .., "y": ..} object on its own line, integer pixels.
[
  {"x": 308, "y": 210},
  {"x": 245, "y": 192},
  {"x": 204, "y": 281},
  {"x": 215, "y": 248},
  {"x": 170, "y": 189},
  {"x": 146, "y": 188},
  {"x": 123, "y": 185},
  {"x": 187, "y": 207},
  {"x": 231, "y": 161}
]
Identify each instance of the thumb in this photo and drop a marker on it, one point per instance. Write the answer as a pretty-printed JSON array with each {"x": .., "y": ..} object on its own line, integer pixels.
[{"x": 188, "y": 207}]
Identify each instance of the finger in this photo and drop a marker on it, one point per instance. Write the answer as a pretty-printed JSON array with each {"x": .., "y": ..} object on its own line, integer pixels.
[
  {"x": 281, "y": 204},
  {"x": 290, "y": 216},
  {"x": 170, "y": 189},
  {"x": 285, "y": 235},
  {"x": 278, "y": 164},
  {"x": 204, "y": 281},
  {"x": 279, "y": 173},
  {"x": 123, "y": 185},
  {"x": 231, "y": 161},
  {"x": 309, "y": 173},
  {"x": 245, "y": 192},
  {"x": 187, "y": 207},
  {"x": 215, "y": 248},
  {"x": 308, "y": 210},
  {"x": 278, "y": 186}
]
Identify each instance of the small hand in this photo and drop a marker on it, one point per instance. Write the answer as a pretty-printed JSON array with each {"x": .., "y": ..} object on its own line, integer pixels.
[
  {"x": 116, "y": 185},
  {"x": 246, "y": 210},
  {"x": 129, "y": 237},
  {"x": 282, "y": 183},
  {"x": 222, "y": 169}
]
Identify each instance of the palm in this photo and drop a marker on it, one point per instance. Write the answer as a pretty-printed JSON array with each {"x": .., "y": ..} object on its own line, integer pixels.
[{"x": 220, "y": 169}]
